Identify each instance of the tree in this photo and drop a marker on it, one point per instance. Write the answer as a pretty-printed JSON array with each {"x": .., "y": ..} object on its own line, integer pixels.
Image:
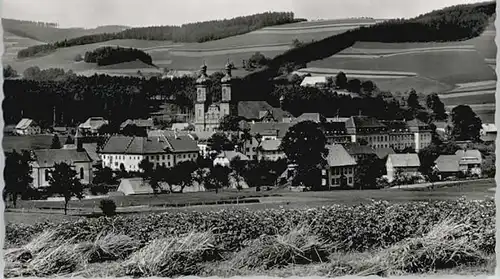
[
  {"x": 218, "y": 178},
  {"x": 69, "y": 140},
  {"x": 368, "y": 86},
  {"x": 429, "y": 155},
  {"x": 182, "y": 174},
  {"x": 341, "y": 80},
  {"x": 9, "y": 72},
  {"x": 436, "y": 105},
  {"x": 219, "y": 142},
  {"x": 146, "y": 167},
  {"x": 466, "y": 124},
  {"x": 368, "y": 170},
  {"x": 108, "y": 207},
  {"x": 230, "y": 123},
  {"x": 304, "y": 144},
  {"x": 17, "y": 175},
  {"x": 104, "y": 176},
  {"x": 56, "y": 144},
  {"x": 63, "y": 181},
  {"x": 412, "y": 101},
  {"x": 354, "y": 85}
]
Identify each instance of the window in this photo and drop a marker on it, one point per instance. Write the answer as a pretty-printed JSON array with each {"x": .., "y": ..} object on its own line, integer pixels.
[
  {"x": 169, "y": 164},
  {"x": 350, "y": 180},
  {"x": 157, "y": 157},
  {"x": 81, "y": 173},
  {"x": 163, "y": 157},
  {"x": 47, "y": 173}
]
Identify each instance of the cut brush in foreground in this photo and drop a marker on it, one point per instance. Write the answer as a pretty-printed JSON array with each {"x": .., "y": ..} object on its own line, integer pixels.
[
  {"x": 172, "y": 256},
  {"x": 445, "y": 246},
  {"x": 107, "y": 247},
  {"x": 299, "y": 246},
  {"x": 45, "y": 240}
]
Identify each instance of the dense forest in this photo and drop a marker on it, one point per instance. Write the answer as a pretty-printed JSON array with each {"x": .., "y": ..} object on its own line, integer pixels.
[
  {"x": 192, "y": 32},
  {"x": 451, "y": 24},
  {"x": 113, "y": 55}
]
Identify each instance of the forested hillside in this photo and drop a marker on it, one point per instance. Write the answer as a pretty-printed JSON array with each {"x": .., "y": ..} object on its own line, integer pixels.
[
  {"x": 50, "y": 32},
  {"x": 450, "y": 24},
  {"x": 192, "y": 32}
]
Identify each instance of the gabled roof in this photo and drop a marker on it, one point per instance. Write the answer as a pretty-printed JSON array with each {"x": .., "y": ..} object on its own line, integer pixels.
[
  {"x": 142, "y": 123},
  {"x": 384, "y": 152},
  {"x": 472, "y": 153},
  {"x": 48, "y": 157},
  {"x": 338, "y": 156},
  {"x": 316, "y": 117},
  {"x": 448, "y": 163},
  {"x": 489, "y": 128},
  {"x": 360, "y": 122},
  {"x": 135, "y": 145},
  {"x": 180, "y": 126},
  {"x": 270, "y": 145},
  {"x": 312, "y": 81},
  {"x": 278, "y": 129},
  {"x": 93, "y": 123},
  {"x": 183, "y": 144},
  {"x": 230, "y": 155},
  {"x": 404, "y": 160},
  {"x": 25, "y": 123},
  {"x": 250, "y": 110},
  {"x": 358, "y": 149}
]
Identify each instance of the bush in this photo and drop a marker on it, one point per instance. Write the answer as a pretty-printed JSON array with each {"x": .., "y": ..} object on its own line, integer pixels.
[
  {"x": 108, "y": 207},
  {"x": 98, "y": 189}
]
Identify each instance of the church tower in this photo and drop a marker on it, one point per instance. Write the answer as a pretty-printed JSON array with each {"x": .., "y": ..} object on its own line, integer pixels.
[
  {"x": 225, "y": 104},
  {"x": 201, "y": 98}
]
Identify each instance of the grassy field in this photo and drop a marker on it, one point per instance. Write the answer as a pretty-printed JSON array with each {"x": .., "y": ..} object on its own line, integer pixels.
[
  {"x": 374, "y": 238},
  {"x": 34, "y": 210},
  {"x": 19, "y": 143}
]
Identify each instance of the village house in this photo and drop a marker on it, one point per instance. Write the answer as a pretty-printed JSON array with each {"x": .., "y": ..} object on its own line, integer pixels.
[
  {"x": 488, "y": 132},
  {"x": 404, "y": 164},
  {"x": 447, "y": 166},
  {"x": 92, "y": 126},
  {"x": 358, "y": 151},
  {"x": 470, "y": 161},
  {"x": 224, "y": 158},
  {"x": 316, "y": 81},
  {"x": 27, "y": 127},
  {"x": 270, "y": 150},
  {"x": 44, "y": 161},
  {"x": 146, "y": 124},
  {"x": 341, "y": 167},
  {"x": 127, "y": 152}
]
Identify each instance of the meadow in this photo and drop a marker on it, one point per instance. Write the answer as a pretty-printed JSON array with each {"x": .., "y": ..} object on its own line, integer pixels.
[{"x": 374, "y": 238}]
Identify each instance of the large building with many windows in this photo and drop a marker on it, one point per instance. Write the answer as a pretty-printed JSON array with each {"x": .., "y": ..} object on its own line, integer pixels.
[{"x": 121, "y": 152}]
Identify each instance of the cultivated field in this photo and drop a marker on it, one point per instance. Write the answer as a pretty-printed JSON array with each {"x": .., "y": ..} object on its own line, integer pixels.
[
  {"x": 372, "y": 238},
  {"x": 189, "y": 56},
  {"x": 20, "y": 143}
]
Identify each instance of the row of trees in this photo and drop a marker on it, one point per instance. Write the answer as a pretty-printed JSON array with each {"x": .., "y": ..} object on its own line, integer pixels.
[
  {"x": 192, "y": 32},
  {"x": 113, "y": 55}
]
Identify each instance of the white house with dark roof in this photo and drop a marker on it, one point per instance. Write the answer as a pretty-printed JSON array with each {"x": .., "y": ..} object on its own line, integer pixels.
[
  {"x": 92, "y": 125},
  {"x": 470, "y": 161},
  {"x": 406, "y": 164},
  {"x": 45, "y": 159},
  {"x": 224, "y": 158},
  {"x": 269, "y": 150},
  {"x": 27, "y": 127},
  {"x": 341, "y": 167},
  {"x": 316, "y": 81},
  {"x": 163, "y": 151}
]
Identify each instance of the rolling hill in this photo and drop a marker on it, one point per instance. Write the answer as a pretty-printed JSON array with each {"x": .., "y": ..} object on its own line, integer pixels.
[{"x": 270, "y": 41}]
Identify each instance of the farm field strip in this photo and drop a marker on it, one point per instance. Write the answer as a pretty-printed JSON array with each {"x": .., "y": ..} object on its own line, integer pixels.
[
  {"x": 229, "y": 51},
  {"x": 352, "y": 72},
  {"x": 477, "y": 84},
  {"x": 478, "y": 107},
  {"x": 319, "y": 26},
  {"x": 229, "y": 48},
  {"x": 463, "y": 94},
  {"x": 382, "y": 55},
  {"x": 329, "y": 22},
  {"x": 404, "y": 50}
]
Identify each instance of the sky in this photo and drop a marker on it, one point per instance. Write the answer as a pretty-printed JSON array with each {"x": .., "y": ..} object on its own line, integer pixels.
[{"x": 93, "y": 13}]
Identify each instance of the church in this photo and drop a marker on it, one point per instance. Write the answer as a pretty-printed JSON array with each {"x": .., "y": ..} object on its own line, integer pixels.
[{"x": 209, "y": 112}]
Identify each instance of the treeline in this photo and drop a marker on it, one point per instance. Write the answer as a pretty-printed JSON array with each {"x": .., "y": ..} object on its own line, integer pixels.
[
  {"x": 113, "y": 55},
  {"x": 55, "y": 74},
  {"x": 30, "y": 22},
  {"x": 188, "y": 33},
  {"x": 78, "y": 98},
  {"x": 450, "y": 24}
]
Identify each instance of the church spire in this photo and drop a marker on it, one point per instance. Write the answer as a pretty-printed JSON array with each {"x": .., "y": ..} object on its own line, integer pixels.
[
  {"x": 227, "y": 78},
  {"x": 203, "y": 78}
]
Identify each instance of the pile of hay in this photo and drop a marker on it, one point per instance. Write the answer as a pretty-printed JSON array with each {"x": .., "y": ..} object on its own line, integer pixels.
[
  {"x": 299, "y": 246},
  {"x": 444, "y": 246},
  {"x": 49, "y": 254},
  {"x": 173, "y": 256}
]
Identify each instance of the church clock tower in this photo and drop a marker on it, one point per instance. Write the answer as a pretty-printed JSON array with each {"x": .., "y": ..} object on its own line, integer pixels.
[{"x": 201, "y": 98}]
